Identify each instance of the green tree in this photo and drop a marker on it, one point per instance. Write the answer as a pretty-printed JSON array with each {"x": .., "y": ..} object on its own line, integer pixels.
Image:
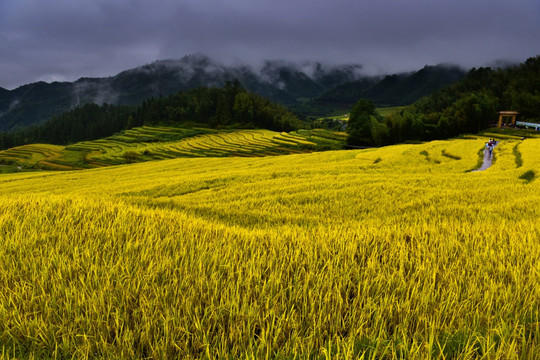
[{"x": 363, "y": 117}]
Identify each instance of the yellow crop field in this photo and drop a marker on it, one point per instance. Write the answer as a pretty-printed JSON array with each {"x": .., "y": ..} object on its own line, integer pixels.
[
  {"x": 158, "y": 142},
  {"x": 233, "y": 143},
  {"x": 400, "y": 252}
]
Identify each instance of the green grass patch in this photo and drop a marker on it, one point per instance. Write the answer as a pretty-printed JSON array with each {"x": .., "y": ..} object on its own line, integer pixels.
[
  {"x": 342, "y": 117},
  {"x": 517, "y": 155},
  {"x": 385, "y": 111},
  {"x": 74, "y": 157},
  {"x": 528, "y": 176},
  {"x": 509, "y": 133},
  {"x": 8, "y": 169}
]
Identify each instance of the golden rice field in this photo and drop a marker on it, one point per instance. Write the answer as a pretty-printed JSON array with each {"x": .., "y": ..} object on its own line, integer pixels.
[
  {"x": 158, "y": 143},
  {"x": 398, "y": 252}
]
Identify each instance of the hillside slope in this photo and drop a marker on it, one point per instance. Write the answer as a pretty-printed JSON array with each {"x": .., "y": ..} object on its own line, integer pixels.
[
  {"x": 279, "y": 81},
  {"x": 160, "y": 142},
  {"x": 396, "y": 252},
  {"x": 292, "y": 84},
  {"x": 391, "y": 90}
]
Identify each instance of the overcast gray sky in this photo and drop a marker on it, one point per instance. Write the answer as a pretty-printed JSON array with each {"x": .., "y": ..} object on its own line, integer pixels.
[{"x": 62, "y": 40}]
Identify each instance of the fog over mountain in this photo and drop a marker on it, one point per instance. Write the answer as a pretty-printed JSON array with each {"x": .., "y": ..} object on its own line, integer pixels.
[
  {"x": 279, "y": 80},
  {"x": 287, "y": 82}
]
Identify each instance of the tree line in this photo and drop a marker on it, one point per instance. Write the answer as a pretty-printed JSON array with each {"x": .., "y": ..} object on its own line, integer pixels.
[
  {"x": 467, "y": 106},
  {"x": 227, "y": 107}
]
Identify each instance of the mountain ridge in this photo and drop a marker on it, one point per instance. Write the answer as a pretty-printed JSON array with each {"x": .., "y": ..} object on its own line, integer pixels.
[
  {"x": 390, "y": 90},
  {"x": 289, "y": 83}
]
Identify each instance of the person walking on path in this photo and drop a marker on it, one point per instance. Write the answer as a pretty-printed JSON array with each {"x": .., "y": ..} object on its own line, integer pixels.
[
  {"x": 489, "y": 147},
  {"x": 488, "y": 156}
]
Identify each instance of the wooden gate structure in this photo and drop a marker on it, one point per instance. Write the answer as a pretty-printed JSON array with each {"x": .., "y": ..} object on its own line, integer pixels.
[{"x": 503, "y": 114}]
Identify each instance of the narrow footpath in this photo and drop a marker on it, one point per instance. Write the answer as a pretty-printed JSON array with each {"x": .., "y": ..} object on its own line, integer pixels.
[{"x": 487, "y": 158}]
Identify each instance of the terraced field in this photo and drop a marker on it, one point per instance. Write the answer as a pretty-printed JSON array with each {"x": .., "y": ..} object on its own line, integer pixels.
[
  {"x": 157, "y": 143},
  {"x": 30, "y": 154}
]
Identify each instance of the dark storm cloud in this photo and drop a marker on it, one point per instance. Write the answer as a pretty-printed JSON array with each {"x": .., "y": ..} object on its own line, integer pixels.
[{"x": 65, "y": 39}]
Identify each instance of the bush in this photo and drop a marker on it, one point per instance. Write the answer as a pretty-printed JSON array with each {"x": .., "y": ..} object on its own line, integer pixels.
[{"x": 131, "y": 156}]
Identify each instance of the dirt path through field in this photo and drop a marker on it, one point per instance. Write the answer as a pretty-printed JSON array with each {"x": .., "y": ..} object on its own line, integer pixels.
[{"x": 487, "y": 159}]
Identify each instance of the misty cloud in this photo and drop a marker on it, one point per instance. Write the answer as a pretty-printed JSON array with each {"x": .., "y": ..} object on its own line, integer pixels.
[
  {"x": 66, "y": 39},
  {"x": 92, "y": 92}
]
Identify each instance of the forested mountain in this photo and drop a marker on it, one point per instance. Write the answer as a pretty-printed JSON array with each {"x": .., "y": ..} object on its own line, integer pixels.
[
  {"x": 334, "y": 87},
  {"x": 228, "y": 107},
  {"x": 284, "y": 82},
  {"x": 390, "y": 90},
  {"x": 467, "y": 106}
]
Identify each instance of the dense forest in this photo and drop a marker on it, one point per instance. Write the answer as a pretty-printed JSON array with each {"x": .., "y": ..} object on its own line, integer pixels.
[
  {"x": 228, "y": 107},
  {"x": 87, "y": 122},
  {"x": 390, "y": 90},
  {"x": 467, "y": 106}
]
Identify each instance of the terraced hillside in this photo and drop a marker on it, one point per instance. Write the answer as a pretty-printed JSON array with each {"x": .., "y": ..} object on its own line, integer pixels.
[
  {"x": 398, "y": 252},
  {"x": 155, "y": 143},
  {"x": 42, "y": 156}
]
